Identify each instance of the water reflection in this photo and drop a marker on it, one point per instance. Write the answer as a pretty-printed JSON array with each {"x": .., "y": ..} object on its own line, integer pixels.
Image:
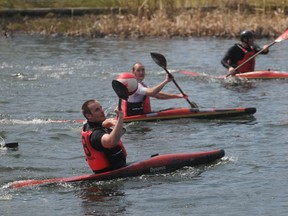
[
  {"x": 117, "y": 197},
  {"x": 103, "y": 198}
]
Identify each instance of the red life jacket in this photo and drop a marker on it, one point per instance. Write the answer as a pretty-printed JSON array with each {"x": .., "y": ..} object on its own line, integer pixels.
[
  {"x": 250, "y": 65},
  {"x": 145, "y": 105},
  {"x": 142, "y": 107},
  {"x": 96, "y": 160}
]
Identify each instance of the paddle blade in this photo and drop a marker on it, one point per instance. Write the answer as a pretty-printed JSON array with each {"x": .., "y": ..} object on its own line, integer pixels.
[
  {"x": 282, "y": 37},
  {"x": 12, "y": 145},
  {"x": 120, "y": 89},
  {"x": 159, "y": 59}
]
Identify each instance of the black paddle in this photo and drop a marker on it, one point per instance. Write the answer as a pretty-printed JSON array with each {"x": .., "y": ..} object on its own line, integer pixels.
[
  {"x": 10, "y": 145},
  {"x": 161, "y": 61},
  {"x": 7, "y": 145},
  {"x": 121, "y": 91}
]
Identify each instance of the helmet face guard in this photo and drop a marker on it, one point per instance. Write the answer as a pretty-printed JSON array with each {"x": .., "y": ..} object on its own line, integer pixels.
[{"x": 246, "y": 35}]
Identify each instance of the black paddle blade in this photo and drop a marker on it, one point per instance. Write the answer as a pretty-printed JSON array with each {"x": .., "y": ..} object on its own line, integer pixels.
[
  {"x": 159, "y": 59},
  {"x": 11, "y": 145},
  {"x": 120, "y": 89}
]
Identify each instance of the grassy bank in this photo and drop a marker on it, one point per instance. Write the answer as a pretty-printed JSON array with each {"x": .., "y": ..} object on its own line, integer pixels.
[
  {"x": 135, "y": 4},
  {"x": 151, "y": 18}
]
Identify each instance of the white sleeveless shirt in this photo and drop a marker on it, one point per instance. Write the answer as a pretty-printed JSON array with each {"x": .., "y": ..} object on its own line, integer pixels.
[{"x": 139, "y": 95}]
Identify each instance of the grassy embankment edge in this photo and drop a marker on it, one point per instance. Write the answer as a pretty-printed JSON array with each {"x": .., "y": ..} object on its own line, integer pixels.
[{"x": 152, "y": 22}]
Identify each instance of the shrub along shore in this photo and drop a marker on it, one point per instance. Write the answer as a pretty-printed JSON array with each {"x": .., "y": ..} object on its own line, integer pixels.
[{"x": 192, "y": 22}]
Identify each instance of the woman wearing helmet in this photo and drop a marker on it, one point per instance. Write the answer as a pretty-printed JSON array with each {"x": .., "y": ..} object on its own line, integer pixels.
[{"x": 240, "y": 52}]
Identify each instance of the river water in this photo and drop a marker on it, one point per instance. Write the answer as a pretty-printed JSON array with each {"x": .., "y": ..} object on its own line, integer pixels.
[{"x": 45, "y": 79}]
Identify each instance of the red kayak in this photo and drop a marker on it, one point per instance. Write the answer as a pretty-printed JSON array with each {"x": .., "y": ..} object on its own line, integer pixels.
[
  {"x": 154, "y": 164},
  {"x": 197, "y": 113},
  {"x": 264, "y": 74},
  {"x": 178, "y": 113}
]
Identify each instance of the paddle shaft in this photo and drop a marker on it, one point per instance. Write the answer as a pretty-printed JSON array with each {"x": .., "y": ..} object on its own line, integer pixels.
[
  {"x": 193, "y": 105},
  {"x": 161, "y": 61},
  {"x": 120, "y": 104},
  {"x": 256, "y": 54}
]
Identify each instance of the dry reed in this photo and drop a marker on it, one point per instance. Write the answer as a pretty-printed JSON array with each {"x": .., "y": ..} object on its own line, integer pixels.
[{"x": 219, "y": 22}]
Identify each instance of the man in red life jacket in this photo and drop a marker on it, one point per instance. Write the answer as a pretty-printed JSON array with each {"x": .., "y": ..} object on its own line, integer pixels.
[
  {"x": 102, "y": 146},
  {"x": 240, "y": 52},
  {"x": 139, "y": 102}
]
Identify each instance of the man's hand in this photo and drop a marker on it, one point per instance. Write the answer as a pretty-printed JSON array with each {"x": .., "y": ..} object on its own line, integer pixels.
[
  {"x": 232, "y": 71},
  {"x": 109, "y": 123}
]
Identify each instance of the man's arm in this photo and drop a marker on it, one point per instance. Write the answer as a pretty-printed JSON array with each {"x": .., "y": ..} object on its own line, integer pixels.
[{"x": 111, "y": 140}]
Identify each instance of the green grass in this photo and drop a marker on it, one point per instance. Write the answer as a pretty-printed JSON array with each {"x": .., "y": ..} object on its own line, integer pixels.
[{"x": 134, "y": 4}]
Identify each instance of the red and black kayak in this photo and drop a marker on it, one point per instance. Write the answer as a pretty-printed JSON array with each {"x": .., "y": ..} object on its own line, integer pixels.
[
  {"x": 263, "y": 74},
  {"x": 197, "y": 113},
  {"x": 155, "y": 164},
  {"x": 178, "y": 113}
]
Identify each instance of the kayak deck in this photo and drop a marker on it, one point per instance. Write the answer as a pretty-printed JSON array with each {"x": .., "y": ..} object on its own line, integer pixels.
[
  {"x": 154, "y": 164},
  {"x": 198, "y": 113}
]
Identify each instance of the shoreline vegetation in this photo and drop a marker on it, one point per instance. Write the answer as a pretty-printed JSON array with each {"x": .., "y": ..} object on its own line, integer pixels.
[{"x": 143, "y": 18}]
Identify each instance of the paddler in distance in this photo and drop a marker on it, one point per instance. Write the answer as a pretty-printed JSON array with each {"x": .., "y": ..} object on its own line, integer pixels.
[
  {"x": 241, "y": 52},
  {"x": 103, "y": 148},
  {"x": 139, "y": 102}
]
